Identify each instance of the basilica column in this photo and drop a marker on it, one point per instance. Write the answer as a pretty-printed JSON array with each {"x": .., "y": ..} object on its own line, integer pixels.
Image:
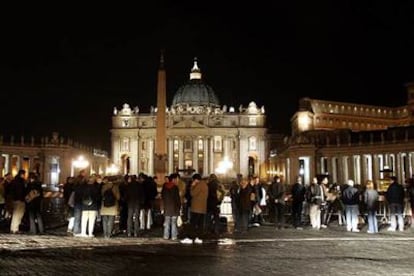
[
  {"x": 211, "y": 155},
  {"x": 226, "y": 147},
  {"x": 181, "y": 153},
  {"x": 139, "y": 154},
  {"x": 244, "y": 156},
  {"x": 116, "y": 146},
  {"x": 237, "y": 161},
  {"x": 150, "y": 155},
  {"x": 195, "y": 155},
  {"x": 261, "y": 158},
  {"x": 205, "y": 156},
  {"x": 133, "y": 154}
]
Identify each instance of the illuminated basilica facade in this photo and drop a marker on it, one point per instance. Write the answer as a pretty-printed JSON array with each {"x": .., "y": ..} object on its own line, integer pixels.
[
  {"x": 201, "y": 134},
  {"x": 348, "y": 141}
]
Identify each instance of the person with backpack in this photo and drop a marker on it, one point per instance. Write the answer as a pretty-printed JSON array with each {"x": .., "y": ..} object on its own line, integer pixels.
[{"x": 109, "y": 207}]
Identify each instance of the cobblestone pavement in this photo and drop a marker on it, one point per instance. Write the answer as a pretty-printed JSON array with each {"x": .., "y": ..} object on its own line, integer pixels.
[{"x": 261, "y": 251}]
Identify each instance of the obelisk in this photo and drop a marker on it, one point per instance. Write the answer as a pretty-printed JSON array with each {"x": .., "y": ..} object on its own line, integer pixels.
[{"x": 161, "y": 136}]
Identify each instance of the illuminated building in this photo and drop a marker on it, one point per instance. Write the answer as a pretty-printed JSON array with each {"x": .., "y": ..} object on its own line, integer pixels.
[
  {"x": 200, "y": 134},
  {"x": 53, "y": 158},
  {"x": 348, "y": 141}
]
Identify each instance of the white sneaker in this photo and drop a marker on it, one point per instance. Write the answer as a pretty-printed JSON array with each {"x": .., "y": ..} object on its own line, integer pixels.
[
  {"x": 186, "y": 241},
  {"x": 198, "y": 241},
  {"x": 391, "y": 229}
]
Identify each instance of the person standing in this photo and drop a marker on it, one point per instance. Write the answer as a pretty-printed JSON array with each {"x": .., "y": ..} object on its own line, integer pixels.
[
  {"x": 395, "y": 198},
  {"x": 277, "y": 194},
  {"x": 314, "y": 196},
  {"x": 109, "y": 211},
  {"x": 170, "y": 196},
  {"x": 199, "y": 193},
  {"x": 91, "y": 198},
  {"x": 234, "y": 195},
  {"x": 17, "y": 193},
  {"x": 79, "y": 182},
  {"x": 350, "y": 198},
  {"x": 69, "y": 200},
  {"x": 298, "y": 196},
  {"x": 213, "y": 204},
  {"x": 371, "y": 201},
  {"x": 33, "y": 207},
  {"x": 135, "y": 196},
  {"x": 244, "y": 195}
]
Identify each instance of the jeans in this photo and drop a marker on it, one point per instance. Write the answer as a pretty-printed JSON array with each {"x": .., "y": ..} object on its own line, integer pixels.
[
  {"x": 372, "y": 221},
  {"x": 243, "y": 223},
  {"x": 33, "y": 216},
  {"x": 297, "y": 214},
  {"x": 133, "y": 220},
  {"x": 77, "y": 213},
  {"x": 279, "y": 214},
  {"x": 170, "y": 226},
  {"x": 197, "y": 224},
  {"x": 351, "y": 214},
  {"x": 108, "y": 225},
  {"x": 213, "y": 221},
  {"x": 396, "y": 210}
]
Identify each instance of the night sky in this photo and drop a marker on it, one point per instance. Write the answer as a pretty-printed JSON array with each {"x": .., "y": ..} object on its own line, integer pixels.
[{"x": 66, "y": 72}]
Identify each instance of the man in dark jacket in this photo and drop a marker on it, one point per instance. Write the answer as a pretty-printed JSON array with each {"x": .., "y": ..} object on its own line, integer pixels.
[
  {"x": 350, "y": 198},
  {"x": 298, "y": 196},
  {"x": 172, "y": 204},
  {"x": 34, "y": 186},
  {"x": 395, "y": 198},
  {"x": 277, "y": 198},
  {"x": 213, "y": 204}
]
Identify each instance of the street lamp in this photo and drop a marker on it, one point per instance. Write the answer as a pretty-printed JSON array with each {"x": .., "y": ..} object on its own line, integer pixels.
[
  {"x": 224, "y": 166},
  {"x": 80, "y": 163},
  {"x": 112, "y": 169}
]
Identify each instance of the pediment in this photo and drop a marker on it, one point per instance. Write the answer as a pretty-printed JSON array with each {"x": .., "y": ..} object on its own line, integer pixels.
[{"x": 188, "y": 124}]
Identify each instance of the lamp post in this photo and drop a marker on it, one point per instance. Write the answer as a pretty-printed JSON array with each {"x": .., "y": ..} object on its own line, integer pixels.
[
  {"x": 79, "y": 163},
  {"x": 112, "y": 169},
  {"x": 224, "y": 166}
]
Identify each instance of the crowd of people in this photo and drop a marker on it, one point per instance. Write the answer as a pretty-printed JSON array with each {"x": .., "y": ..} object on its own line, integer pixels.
[
  {"x": 314, "y": 204},
  {"x": 192, "y": 208}
]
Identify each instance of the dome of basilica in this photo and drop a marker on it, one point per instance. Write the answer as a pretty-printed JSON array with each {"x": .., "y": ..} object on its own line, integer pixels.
[{"x": 195, "y": 92}]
